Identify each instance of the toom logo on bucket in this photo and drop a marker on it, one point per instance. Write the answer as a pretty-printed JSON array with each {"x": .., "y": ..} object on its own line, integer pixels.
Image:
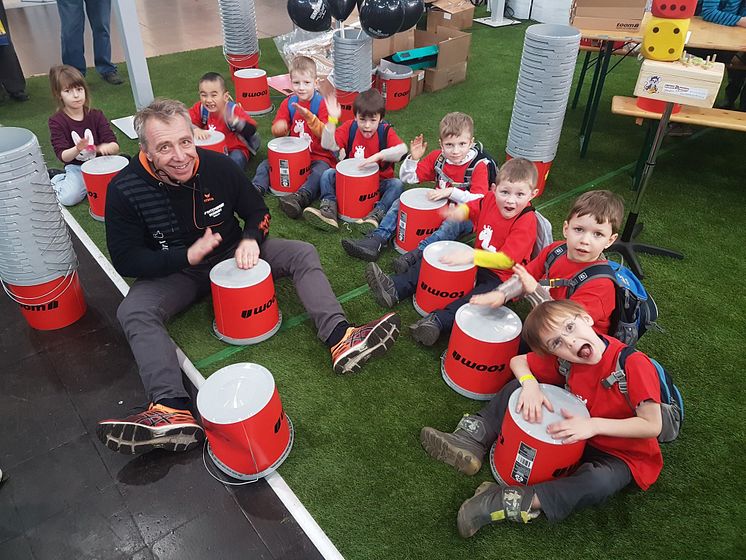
[
  {"x": 425, "y": 231},
  {"x": 255, "y": 93},
  {"x": 246, "y": 313},
  {"x": 368, "y": 196},
  {"x": 476, "y": 365},
  {"x": 401, "y": 94},
  {"x": 93, "y": 194},
  {"x": 441, "y": 293},
  {"x": 43, "y": 307},
  {"x": 278, "y": 424},
  {"x": 305, "y": 170}
]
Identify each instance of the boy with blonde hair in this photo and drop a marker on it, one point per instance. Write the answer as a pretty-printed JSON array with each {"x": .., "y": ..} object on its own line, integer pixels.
[
  {"x": 506, "y": 227},
  {"x": 461, "y": 172},
  {"x": 621, "y": 432},
  {"x": 302, "y": 115},
  {"x": 215, "y": 110}
]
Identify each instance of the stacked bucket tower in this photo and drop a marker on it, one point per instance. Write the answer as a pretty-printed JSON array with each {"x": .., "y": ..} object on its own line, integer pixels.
[
  {"x": 38, "y": 266},
  {"x": 240, "y": 40},
  {"x": 544, "y": 81}
]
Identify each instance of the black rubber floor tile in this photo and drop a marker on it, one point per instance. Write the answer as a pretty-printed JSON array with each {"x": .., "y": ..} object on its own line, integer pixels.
[
  {"x": 214, "y": 533},
  {"x": 268, "y": 515},
  {"x": 57, "y": 480},
  {"x": 10, "y": 523},
  {"x": 37, "y": 412},
  {"x": 16, "y": 549},
  {"x": 100, "y": 528},
  {"x": 168, "y": 490}
]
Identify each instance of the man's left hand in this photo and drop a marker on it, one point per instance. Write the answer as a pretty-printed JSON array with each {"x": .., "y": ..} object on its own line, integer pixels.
[{"x": 247, "y": 254}]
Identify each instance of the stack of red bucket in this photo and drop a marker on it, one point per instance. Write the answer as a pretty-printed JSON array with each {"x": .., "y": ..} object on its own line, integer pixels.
[{"x": 38, "y": 266}]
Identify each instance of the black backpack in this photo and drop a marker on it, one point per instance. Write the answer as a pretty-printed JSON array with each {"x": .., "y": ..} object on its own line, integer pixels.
[
  {"x": 383, "y": 132},
  {"x": 635, "y": 310}
]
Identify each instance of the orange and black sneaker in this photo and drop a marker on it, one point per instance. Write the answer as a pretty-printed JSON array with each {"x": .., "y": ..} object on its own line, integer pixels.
[
  {"x": 158, "y": 427},
  {"x": 360, "y": 344}
]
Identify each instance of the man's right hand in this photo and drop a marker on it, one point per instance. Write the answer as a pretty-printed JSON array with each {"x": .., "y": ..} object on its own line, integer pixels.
[{"x": 203, "y": 246}]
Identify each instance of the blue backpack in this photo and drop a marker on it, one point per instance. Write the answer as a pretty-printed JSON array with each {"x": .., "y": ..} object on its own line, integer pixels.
[
  {"x": 635, "y": 310},
  {"x": 248, "y": 134},
  {"x": 315, "y": 104},
  {"x": 672, "y": 403}
]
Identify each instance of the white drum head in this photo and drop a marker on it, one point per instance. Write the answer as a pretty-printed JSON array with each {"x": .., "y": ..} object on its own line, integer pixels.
[
  {"x": 350, "y": 168},
  {"x": 215, "y": 138},
  {"x": 235, "y": 393},
  {"x": 434, "y": 251},
  {"x": 416, "y": 199},
  {"x": 227, "y": 274},
  {"x": 103, "y": 165},
  {"x": 287, "y": 145},
  {"x": 560, "y": 399},
  {"x": 486, "y": 324},
  {"x": 250, "y": 73}
]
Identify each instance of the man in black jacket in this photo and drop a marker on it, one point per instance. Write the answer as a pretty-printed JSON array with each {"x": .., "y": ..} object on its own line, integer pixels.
[{"x": 170, "y": 217}]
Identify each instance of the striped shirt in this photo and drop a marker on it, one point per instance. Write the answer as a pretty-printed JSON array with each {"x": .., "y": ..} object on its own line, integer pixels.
[{"x": 722, "y": 12}]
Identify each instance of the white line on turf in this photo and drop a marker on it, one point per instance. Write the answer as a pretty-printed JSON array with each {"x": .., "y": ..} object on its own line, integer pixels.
[{"x": 301, "y": 515}]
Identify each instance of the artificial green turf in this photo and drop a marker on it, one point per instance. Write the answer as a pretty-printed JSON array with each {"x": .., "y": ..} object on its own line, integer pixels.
[{"x": 357, "y": 464}]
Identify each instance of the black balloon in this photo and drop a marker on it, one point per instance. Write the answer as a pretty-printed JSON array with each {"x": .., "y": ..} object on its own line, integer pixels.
[
  {"x": 413, "y": 10},
  {"x": 340, "y": 9},
  {"x": 310, "y": 15},
  {"x": 381, "y": 18}
]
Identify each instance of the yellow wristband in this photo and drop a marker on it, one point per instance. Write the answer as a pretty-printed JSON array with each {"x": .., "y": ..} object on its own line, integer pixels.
[
  {"x": 526, "y": 377},
  {"x": 333, "y": 120}
]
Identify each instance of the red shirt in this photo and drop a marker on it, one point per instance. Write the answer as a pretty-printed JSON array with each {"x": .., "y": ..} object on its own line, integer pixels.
[
  {"x": 598, "y": 296},
  {"x": 480, "y": 183},
  {"x": 365, "y": 147},
  {"x": 215, "y": 121},
  {"x": 642, "y": 455},
  {"x": 299, "y": 129},
  {"x": 514, "y": 237}
]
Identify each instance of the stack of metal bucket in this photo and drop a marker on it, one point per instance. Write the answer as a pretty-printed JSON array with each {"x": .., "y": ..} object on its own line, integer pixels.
[
  {"x": 240, "y": 40},
  {"x": 38, "y": 266},
  {"x": 544, "y": 81},
  {"x": 353, "y": 64}
]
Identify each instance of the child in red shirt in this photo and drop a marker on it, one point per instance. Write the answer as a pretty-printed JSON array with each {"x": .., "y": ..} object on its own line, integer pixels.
[
  {"x": 373, "y": 141},
  {"x": 621, "y": 431},
  {"x": 592, "y": 225},
  {"x": 302, "y": 115},
  {"x": 460, "y": 172},
  {"x": 505, "y": 237},
  {"x": 216, "y": 111}
]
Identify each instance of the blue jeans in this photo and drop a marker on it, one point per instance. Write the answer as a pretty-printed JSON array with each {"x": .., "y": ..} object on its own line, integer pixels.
[
  {"x": 69, "y": 186},
  {"x": 448, "y": 230},
  {"x": 72, "y": 24},
  {"x": 311, "y": 186},
  {"x": 239, "y": 157},
  {"x": 390, "y": 190}
]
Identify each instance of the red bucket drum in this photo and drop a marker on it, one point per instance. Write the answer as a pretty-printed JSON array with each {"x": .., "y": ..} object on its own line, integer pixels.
[
  {"x": 252, "y": 90},
  {"x": 216, "y": 142},
  {"x": 97, "y": 173},
  {"x": 248, "y": 433},
  {"x": 476, "y": 363},
  {"x": 418, "y": 218},
  {"x": 289, "y": 164},
  {"x": 346, "y": 99},
  {"x": 439, "y": 284},
  {"x": 357, "y": 189},
  {"x": 244, "y": 301},
  {"x": 51, "y": 305},
  {"x": 524, "y": 453},
  {"x": 239, "y": 61}
]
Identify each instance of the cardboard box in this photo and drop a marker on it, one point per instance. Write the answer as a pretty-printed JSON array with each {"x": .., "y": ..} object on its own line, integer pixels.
[
  {"x": 608, "y": 15},
  {"x": 680, "y": 83},
  {"x": 458, "y": 14},
  {"x": 453, "y": 45},
  {"x": 436, "y": 79},
  {"x": 628, "y": 25},
  {"x": 418, "y": 83},
  {"x": 386, "y": 47}
]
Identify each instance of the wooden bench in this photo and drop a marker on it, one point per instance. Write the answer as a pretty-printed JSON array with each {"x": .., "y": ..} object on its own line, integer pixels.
[{"x": 696, "y": 116}]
